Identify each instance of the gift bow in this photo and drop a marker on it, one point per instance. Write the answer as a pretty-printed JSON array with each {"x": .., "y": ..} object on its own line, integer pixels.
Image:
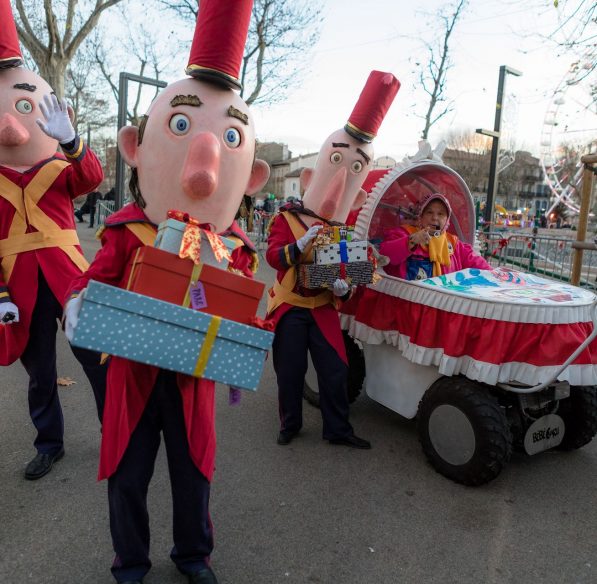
[
  {"x": 266, "y": 325},
  {"x": 190, "y": 246}
]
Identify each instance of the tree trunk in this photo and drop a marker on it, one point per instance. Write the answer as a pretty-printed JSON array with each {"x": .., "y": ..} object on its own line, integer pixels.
[{"x": 54, "y": 73}]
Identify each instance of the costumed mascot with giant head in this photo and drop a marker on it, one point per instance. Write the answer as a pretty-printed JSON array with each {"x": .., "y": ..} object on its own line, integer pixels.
[
  {"x": 306, "y": 319},
  {"x": 193, "y": 154},
  {"x": 39, "y": 247}
]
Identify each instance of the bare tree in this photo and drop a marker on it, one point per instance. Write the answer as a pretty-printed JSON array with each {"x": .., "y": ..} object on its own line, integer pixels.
[
  {"x": 577, "y": 31},
  {"x": 433, "y": 76},
  {"x": 85, "y": 93},
  {"x": 54, "y": 30},
  {"x": 574, "y": 34},
  {"x": 281, "y": 33},
  {"x": 144, "y": 57}
]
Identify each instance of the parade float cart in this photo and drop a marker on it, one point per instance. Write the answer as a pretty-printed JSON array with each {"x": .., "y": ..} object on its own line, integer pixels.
[{"x": 487, "y": 361}]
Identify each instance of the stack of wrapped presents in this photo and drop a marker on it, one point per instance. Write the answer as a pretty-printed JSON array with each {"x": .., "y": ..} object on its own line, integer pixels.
[
  {"x": 182, "y": 309},
  {"x": 336, "y": 254}
]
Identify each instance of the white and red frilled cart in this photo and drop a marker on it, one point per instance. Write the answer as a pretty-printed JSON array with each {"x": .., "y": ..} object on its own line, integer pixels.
[{"x": 486, "y": 360}]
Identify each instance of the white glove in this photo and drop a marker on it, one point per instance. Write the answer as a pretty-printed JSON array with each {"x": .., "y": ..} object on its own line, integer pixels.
[
  {"x": 6, "y": 309},
  {"x": 341, "y": 287},
  {"x": 71, "y": 315},
  {"x": 305, "y": 239},
  {"x": 58, "y": 124}
]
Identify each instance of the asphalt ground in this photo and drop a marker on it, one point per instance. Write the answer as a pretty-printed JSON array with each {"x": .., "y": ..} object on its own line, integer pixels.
[{"x": 305, "y": 513}]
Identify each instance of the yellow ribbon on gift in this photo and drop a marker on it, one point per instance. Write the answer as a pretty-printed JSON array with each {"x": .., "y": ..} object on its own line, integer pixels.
[
  {"x": 196, "y": 272},
  {"x": 217, "y": 245},
  {"x": 208, "y": 343},
  {"x": 190, "y": 246}
]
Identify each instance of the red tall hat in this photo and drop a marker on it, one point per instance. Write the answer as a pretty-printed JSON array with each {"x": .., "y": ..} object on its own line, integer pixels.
[
  {"x": 373, "y": 105},
  {"x": 10, "y": 52},
  {"x": 219, "y": 41}
]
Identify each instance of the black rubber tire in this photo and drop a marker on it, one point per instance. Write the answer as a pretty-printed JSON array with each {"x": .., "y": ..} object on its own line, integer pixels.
[
  {"x": 579, "y": 412},
  {"x": 356, "y": 373},
  {"x": 493, "y": 439}
]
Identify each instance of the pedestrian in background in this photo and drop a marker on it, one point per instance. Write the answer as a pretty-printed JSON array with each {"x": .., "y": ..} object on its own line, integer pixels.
[{"x": 88, "y": 207}]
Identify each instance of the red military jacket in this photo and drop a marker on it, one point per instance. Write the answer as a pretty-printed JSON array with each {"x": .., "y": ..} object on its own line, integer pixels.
[
  {"x": 284, "y": 255},
  {"x": 129, "y": 384},
  {"x": 37, "y": 232}
]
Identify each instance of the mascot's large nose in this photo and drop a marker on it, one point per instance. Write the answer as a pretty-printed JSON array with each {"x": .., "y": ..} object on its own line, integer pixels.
[
  {"x": 12, "y": 133},
  {"x": 201, "y": 167},
  {"x": 333, "y": 194}
]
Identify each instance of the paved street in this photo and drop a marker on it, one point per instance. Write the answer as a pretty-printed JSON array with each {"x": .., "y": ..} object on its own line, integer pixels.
[{"x": 306, "y": 513}]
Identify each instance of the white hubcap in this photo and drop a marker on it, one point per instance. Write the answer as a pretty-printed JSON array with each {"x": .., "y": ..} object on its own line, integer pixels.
[{"x": 452, "y": 435}]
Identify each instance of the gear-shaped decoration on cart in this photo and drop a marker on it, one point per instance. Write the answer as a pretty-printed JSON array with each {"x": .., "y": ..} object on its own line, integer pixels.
[{"x": 395, "y": 197}]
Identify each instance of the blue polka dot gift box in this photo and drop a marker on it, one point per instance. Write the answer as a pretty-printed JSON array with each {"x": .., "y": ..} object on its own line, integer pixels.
[{"x": 143, "y": 329}]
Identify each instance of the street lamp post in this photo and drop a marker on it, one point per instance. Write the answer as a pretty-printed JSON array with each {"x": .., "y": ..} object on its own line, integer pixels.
[
  {"x": 122, "y": 109},
  {"x": 495, "y": 146}
]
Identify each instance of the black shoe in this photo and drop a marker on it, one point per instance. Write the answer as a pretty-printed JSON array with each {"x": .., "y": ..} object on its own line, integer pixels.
[
  {"x": 352, "y": 441},
  {"x": 205, "y": 576},
  {"x": 285, "y": 438},
  {"x": 42, "y": 464},
  {"x": 132, "y": 582}
]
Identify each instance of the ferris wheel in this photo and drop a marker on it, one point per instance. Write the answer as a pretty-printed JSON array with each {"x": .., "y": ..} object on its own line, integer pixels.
[{"x": 569, "y": 131}]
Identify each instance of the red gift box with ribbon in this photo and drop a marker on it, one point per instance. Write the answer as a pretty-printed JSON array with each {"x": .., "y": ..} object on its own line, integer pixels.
[{"x": 162, "y": 275}]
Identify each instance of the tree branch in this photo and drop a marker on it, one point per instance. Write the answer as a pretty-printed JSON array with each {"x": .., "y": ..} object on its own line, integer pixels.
[{"x": 26, "y": 34}]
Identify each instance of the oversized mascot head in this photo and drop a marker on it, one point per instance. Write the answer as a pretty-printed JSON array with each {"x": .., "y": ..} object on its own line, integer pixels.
[
  {"x": 22, "y": 142},
  {"x": 334, "y": 187},
  {"x": 195, "y": 149}
]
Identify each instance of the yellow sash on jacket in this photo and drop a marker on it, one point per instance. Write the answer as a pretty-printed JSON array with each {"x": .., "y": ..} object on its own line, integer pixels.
[
  {"x": 49, "y": 233},
  {"x": 144, "y": 232},
  {"x": 282, "y": 292}
]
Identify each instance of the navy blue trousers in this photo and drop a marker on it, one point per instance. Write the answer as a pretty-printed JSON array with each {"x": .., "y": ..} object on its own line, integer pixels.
[
  {"x": 39, "y": 360},
  {"x": 127, "y": 490},
  {"x": 296, "y": 333}
]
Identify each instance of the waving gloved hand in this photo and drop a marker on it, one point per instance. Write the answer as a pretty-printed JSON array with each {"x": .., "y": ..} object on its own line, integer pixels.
[
  {"x": 9, "y": 313},
  {"x": 57, "y": 124},
  {"x": 341, "y": 287},
  {"x": 309, "y": 236},
  {"x": 71, "y": 315}
]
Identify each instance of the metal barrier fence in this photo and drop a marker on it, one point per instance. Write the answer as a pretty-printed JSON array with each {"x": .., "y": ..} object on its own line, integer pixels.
[
  {"x": 541, "y": 254},
  {"x": 104, "y": 209},
  {"x": 530, "y": 252},
  {"x": 258, "y": 234}
]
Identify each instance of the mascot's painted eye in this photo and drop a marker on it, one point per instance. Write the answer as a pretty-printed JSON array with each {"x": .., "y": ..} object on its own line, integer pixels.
[
  {"x": 24, "y": 106},
  {"x": 232, "y": 137},
  {"x": 356, "y": 166},
  {"x": 180, "y": 124},
  {"x": 336, "y": 158}
]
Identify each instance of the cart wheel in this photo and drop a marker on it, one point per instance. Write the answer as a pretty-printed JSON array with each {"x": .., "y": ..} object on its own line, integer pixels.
[
  {"x": 579, "y": 412},
  {"x": 464, "y": 431},
  {"x": 356, "y": 374}
]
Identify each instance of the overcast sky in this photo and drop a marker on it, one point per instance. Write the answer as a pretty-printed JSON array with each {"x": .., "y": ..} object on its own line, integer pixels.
[{"x": 386, "y": 35}]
